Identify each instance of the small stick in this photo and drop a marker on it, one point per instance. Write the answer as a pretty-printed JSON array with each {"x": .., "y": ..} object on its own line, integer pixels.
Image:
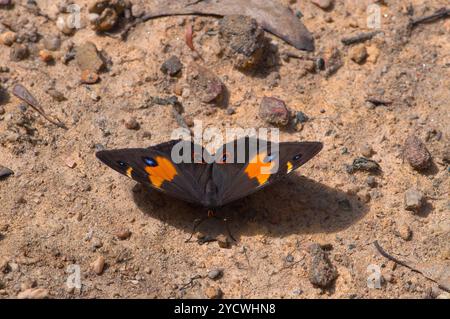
[
  {"x": 22, "y": 93},
  {"x": 390, "y": 257},
  {"x": 405, "y": 264},
  {"x": 438, "y": 14},
  {"x": 377, "y": 101},
  {"x": 360, "y": 37}
]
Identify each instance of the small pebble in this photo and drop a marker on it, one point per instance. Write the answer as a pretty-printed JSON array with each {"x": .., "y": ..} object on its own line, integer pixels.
[
  {"x": 98, "y": 265},
  {"x": 215, "y": 273},
  {"x": 358, "y": 54},
  {"x": 289, "y": 258},
  {"x": 18, "y": 52},
  {"x": 97, "y": 243},
  {"x": 213, "y": 293},
  {"x": 322, "y": 273},
  {"x": 137, "y": 10},
  {"x": 70, "y": 162},
  {"x": 320, "y": 63},
  {"x": 123, "y": 234},
  {"x": 46, "y": 56},
  {"x": 274, "y": 111},
  {"x": 416, "y": 153},
  {"x": 63, "y": 26},
  {"x": 52, "y": 43},
  {"x": 88, "y": 57},
  {"x": 132, "y": 124},
  {"x": 413, "y": 200},
  {"x": 8, "y": 38},
  {"x": 172, "y": 66},
  {"x": 231, "y": 111},
  {"x": 56, "y": 95},
  {"x": 205, "y": 84},
  {"x": 403, "y": 231},
  {"x": 89, "y": 77},
  {"x": 242, "y": 40},
  {"x": 301, "y": 117},
  {"x": 371, "y": 181},
  {"x": 366, "y": 150}
]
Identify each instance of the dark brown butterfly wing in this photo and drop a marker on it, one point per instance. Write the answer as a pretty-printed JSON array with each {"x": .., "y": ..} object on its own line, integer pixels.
[
  {"x": 262, "y": 165},
  {"x": 154, "y": 166}
]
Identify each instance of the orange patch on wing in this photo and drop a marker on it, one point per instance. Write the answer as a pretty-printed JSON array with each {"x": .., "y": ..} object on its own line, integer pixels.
[
  {"x": 289, "y": 167},
  {"x": 129, "y": 171},
  {"x": 164, "y": 171},
  {"x": 258, "y": 169}
]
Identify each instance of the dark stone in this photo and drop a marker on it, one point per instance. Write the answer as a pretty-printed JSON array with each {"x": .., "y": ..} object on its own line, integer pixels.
[
  {"x": 5, "y": 172},
  {"x": 243, "y": 40},
  {"x": 416, "y": 153},
  {"x": 172, "y": 66},
  {"x": 274, "y": 111},
  {"x": 322, "y": 273},
  {"x": 18, "y": 52}
]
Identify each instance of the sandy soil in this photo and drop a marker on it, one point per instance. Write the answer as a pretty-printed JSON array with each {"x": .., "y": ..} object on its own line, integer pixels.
[{"x": 62, "y": 207}]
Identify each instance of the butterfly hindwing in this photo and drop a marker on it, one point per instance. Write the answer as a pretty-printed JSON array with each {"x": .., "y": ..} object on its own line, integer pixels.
[
  {"x": 154, "y": 166},
  {"x": 263, "y": 165}
]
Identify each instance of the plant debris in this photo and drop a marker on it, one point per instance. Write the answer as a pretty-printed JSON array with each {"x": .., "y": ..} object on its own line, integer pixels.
[
  {"x": 360, "y": 37},
  {"x": 439, "y": 14},
  {"x": 22, "y": 93},
  {"x": 273, "y": 17},
  {"x": 363, "y": 164},
  {"x": 436, "y": 272}
]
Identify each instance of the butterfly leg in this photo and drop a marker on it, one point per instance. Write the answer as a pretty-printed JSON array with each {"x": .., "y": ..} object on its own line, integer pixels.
[
  {"x": 198, "y": 222},
  {"x": 227, "y": 225}
]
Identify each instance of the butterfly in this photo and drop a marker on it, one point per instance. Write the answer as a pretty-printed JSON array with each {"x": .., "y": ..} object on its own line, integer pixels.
[{"x": 185, "y": 170}]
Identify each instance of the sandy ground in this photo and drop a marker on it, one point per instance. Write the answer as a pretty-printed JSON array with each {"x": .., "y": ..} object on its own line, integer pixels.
[{"x": 62, "y": 207}]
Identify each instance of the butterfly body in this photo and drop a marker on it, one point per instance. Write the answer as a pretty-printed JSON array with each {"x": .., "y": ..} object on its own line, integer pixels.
[{"x": 188, "y": 172}]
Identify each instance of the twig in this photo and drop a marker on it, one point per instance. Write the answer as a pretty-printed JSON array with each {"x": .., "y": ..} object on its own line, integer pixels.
[
  {"x": 438, "y": 14},
  {"x": 360, "y": 37},
  {"x": 405, "y": 264},
  {"x": 193, "y": 3},
  {"x": 22, "y": 93},
  {"x": 390, "y": 257},
  {"x": 377, "y": 101}
]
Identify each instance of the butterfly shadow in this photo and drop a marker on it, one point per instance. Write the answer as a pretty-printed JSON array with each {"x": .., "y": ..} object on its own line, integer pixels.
[{"x": 295, "y": 205}]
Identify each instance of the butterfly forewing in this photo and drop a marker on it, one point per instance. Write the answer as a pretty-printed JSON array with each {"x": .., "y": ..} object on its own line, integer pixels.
[{"x": 155, "y": 167}]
